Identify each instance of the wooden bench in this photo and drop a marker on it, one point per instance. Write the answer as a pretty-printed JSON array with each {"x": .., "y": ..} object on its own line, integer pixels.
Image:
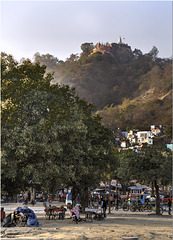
[{"x": 54, "y": 213}]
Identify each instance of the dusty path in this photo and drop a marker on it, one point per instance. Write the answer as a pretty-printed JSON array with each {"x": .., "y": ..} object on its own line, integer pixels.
[{"x": 118, "y": 225}]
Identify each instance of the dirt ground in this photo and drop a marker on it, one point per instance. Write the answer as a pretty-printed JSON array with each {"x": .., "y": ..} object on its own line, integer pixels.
[{"x": 118, "y": 225}]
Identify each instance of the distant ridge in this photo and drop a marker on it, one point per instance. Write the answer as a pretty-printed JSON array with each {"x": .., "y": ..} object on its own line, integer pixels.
[{"x": 119, "y": 82}]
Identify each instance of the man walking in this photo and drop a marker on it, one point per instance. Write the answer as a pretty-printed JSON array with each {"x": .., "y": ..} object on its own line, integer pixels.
[{"x": 169, "y": 206}]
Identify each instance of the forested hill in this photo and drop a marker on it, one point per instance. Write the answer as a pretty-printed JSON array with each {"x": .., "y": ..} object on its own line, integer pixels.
[{"x": 128, "y": 88}]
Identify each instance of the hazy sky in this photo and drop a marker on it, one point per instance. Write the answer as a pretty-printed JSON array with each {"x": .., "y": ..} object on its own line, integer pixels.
[{"x": 60, "y": 27}]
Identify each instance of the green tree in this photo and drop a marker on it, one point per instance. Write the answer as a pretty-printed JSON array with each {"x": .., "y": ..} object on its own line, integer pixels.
[
  {"x": 24, "y": 116},
  {"x": 154, "y": 165},
  {"x": 124, "y": 175},
  {"x": 73, "y": 58},
  {"x": 87, "y": 48},
  {"x": 137, "y": 52},
  {"x": 153, "y": 53},
  {"x": 169, "y": 131},
  {"x": 49, "y": 135}
]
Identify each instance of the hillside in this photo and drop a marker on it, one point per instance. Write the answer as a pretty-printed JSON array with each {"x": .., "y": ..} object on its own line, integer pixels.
[
  {"x": 139, "y": 113},
  {"x": 128, "y": 88}
]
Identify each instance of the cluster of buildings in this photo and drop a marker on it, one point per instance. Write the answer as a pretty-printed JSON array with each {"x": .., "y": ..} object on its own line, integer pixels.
[
  {"x": 112, "y": 48},
  {"x": 135, "y": 139}
]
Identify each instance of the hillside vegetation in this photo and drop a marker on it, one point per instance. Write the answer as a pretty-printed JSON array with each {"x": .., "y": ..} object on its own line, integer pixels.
[{"x": 129, "y": 89}]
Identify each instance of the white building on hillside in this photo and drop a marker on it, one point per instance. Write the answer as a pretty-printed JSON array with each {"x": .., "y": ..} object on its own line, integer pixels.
[
  {"x": 132, "y": 136},
  {"x": 145, "y": 137}
]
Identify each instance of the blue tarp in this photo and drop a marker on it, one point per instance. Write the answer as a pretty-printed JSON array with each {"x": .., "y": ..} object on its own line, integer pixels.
[{"x": 32, "y": 219}]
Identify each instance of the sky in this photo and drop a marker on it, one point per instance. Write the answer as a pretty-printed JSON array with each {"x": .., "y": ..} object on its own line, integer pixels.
[{"x": 60, "y": 27}]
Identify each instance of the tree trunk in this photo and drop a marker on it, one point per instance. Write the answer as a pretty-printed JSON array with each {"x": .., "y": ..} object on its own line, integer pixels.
[
  {"x": 105, "y": 188},
  {"x": 124, "y": 189},
  {"x": 16, "y": 198},
  {"x": 109, "y": 194},
  {"x": 84, "y": 199},
  {"x": 157, "y": 199},
  {"x": 31, "y": 196},
  {"x": 152, "y": 188},
  {"x": 74, "y": 196},
  {"x": 32, "y": 192}
]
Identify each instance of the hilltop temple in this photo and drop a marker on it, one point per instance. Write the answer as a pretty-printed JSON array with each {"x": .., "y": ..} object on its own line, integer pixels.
[{"x": 111, "y": 48}]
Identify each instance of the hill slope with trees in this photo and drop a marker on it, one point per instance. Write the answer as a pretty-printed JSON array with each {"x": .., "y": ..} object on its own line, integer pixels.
[{"x": 129, "y": 88}]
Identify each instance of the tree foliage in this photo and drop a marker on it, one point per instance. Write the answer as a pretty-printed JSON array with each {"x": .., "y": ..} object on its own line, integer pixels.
[
  {"x": 87, "y": 48},
  {"x": 49, "y": 135},
  {"x": 152, "y": 165},
  {"x": 123, "y": 171}
]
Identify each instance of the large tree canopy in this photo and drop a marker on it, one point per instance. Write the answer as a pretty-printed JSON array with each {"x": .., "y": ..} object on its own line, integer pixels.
[
  {"x": 49, "y": 135},
  {"x": 151, "y": 165}
]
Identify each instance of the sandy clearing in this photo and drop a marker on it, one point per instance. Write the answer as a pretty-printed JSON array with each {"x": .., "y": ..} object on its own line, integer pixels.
[{"x": 118, "y": 225}]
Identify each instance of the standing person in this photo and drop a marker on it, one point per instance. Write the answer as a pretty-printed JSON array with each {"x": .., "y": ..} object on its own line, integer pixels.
[
  {"x": 29, "y": 196},
  {"x": 88, "y": 200},
  {"x": 33, "y": 202},
  {"x": 169, "y": 206},
  {"x": 117, "y": 203},
  {"x": 104, "y": 206},
  {"x": 91, "y": 200}
]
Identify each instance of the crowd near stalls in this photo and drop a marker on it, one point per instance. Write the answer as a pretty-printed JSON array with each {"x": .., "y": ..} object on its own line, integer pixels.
[
  {"x": 94, "y": 196},
  {"x": 138, "y": 194},
  {"x": 25, "y": 197},
  {"x": 113, "y": 192},
  {"x": 137, "y": 198}
]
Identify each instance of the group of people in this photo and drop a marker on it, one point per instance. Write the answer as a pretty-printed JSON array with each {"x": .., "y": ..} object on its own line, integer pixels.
[
  {"x": 92, "y": 199},
  {"x": 26, "y": 198}
]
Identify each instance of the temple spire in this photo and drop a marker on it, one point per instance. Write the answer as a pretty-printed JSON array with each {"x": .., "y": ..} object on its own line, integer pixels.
[{"x": 119, "y": 40}]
